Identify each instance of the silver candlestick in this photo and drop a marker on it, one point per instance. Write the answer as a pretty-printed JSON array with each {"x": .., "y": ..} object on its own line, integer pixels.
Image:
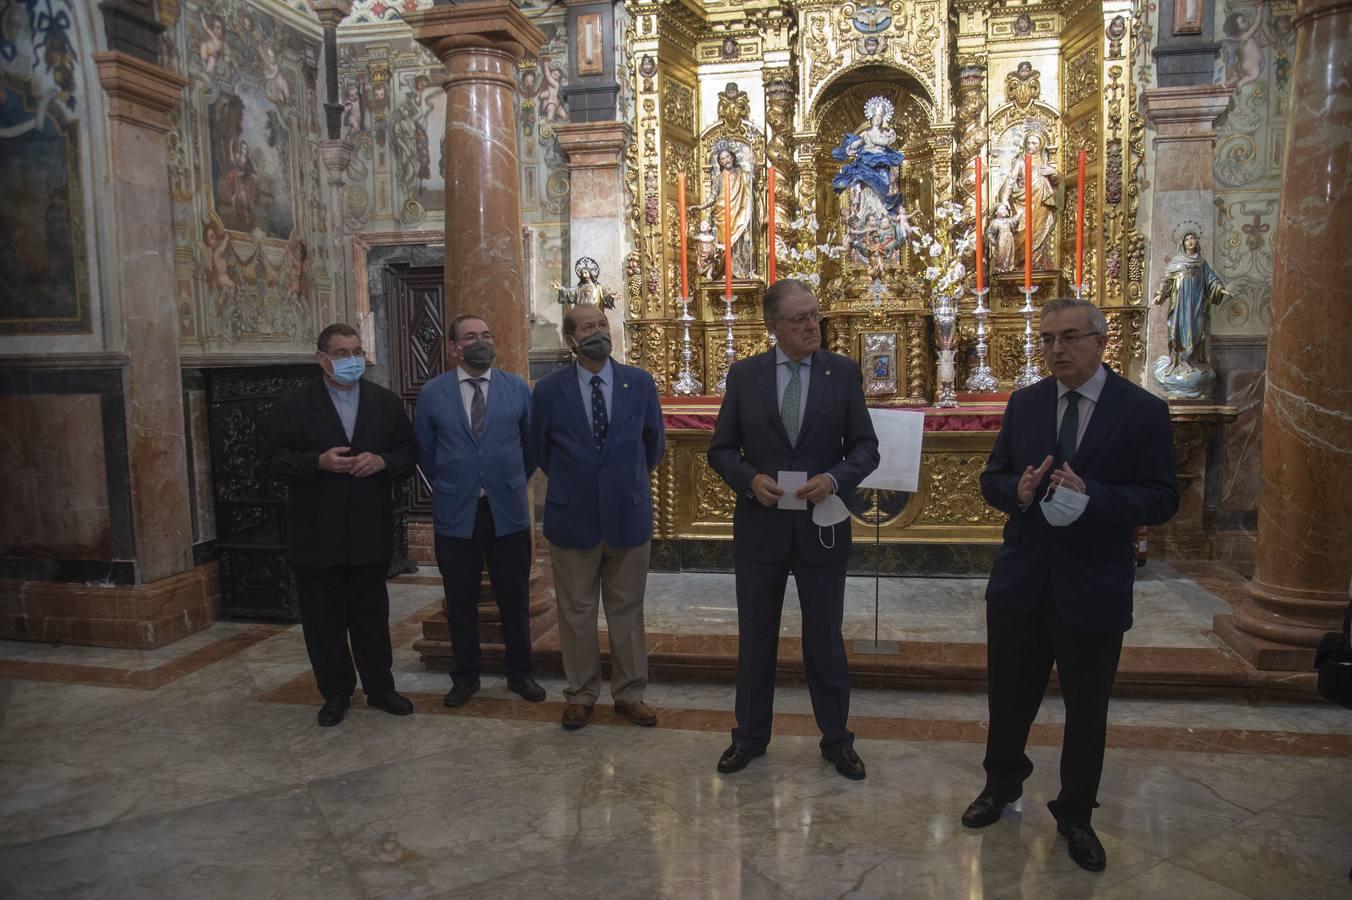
[
  {"x": 1079, "y": 290},
  {"x": 687, "y": 385},
  {"x": 946, "y": 336},
  {"x": 1029, "y": 374},
  {"x": 982, "y": 380},
  {"x": 728, "y": 319}
]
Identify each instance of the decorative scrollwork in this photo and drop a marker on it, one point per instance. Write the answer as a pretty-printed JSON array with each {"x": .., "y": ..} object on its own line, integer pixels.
[
  {"x": 952, "y": 484},
  {"x": 1082, "y": 77},
  {"x": 714, "y": 500}
]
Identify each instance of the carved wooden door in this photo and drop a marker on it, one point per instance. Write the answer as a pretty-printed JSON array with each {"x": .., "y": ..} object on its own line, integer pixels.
[{"x": 417, "y": 345}]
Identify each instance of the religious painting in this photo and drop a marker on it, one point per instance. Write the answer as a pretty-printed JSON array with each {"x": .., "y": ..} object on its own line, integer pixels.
[
  {"x": 418, "y": 138},
  {"x": 251, "y": 163},
  {"x": 590, "y": 45},
  {"x": 878, "y": 350},
  {"x": 43, "y": 263}
]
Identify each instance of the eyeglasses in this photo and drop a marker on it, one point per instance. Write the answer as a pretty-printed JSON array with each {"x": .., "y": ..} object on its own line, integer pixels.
[
  {"x": 802, "y": 319},
  {"x": 1049, "y": 340}
]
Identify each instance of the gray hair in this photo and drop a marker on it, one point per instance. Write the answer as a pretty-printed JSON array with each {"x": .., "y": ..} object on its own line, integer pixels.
[
  {"x": 775, "y": 293},
  {"x": 1097, "y": 323}
]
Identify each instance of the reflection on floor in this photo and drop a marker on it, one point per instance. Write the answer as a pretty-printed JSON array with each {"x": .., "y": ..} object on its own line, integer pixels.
[{"x": 198, "y": 771}]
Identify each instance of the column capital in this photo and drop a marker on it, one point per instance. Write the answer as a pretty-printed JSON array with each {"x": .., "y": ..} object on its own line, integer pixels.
[
  {"x": 1185, "y": 112},
  {"x": 139, "y": 93},
  {"x": 487, "y": 24},
  {"x": 331, "y": 12},
  {"x": 336, "y": 156},
  {"x": 593, "y": 145}
]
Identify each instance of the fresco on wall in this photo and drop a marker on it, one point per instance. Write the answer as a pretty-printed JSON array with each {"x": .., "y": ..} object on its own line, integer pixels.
[
  {"x": 1257, "y": 46},
  {"x": 249, "y": 200},
  {"x": 44, "y": 282}
]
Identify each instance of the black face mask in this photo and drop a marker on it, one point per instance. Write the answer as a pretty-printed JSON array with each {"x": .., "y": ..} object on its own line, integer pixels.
[
  {"x": 595, "y": 346},
  {"x": 479, "y": 354}
]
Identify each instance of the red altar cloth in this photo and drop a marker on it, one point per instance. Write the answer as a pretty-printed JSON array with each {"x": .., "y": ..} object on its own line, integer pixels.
[{"x": 984, "y": 414}]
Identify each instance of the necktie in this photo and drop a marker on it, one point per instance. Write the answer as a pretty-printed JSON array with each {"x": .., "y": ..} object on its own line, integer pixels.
[
  {"x": 1070, "y": 429},
  {"x": 600, "y": 421},
  {"x": 477, "y": 420},
  {"x": 788, "y": 407}
]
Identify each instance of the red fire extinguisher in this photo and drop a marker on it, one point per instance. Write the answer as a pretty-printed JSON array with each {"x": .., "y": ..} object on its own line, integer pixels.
[{"x": 1142, "y": 544}]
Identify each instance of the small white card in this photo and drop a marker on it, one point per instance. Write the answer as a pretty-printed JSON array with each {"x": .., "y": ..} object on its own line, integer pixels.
[{"x": 788, "y": 483}]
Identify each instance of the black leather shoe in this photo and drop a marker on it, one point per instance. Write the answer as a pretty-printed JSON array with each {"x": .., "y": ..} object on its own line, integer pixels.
[
  {"x": 846, "y": 761},
  {"x": 1085, "y": 847},
  {"x": 735, "y": 758},
  {"x": 525, "y": 687},
  {"x": 331, "y": 713},
  {"x": 983, "y": 811},
  {"x": 393, "y": 703},
  {"x": 460, "y": 693}
]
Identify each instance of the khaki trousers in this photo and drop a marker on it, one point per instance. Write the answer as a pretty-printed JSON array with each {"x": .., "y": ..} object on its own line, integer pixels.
[{"x": 616, "y": 577}]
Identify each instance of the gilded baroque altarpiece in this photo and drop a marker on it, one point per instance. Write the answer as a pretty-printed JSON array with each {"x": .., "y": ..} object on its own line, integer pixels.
[{"x": 871, "y": 114}]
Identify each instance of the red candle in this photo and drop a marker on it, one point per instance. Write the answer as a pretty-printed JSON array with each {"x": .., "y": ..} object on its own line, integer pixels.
[
  {"x": 1079, "y": 227},
  {"x": 771, "y": 176},
  {"x": 1028, "y": 221},
  {"x": 727, "y": 233},
  {"x": 978, "y": 223},
  {"x": 680, "y": 213}
]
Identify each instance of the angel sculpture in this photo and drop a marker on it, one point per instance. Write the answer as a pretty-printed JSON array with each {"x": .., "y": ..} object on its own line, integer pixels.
[{"x": 588, "y": 290}]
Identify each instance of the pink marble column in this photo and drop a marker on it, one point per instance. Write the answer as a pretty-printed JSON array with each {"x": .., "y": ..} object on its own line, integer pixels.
[
  {"x": 1304, "y": 558},
  {"x": 480, "y": 43},
  {"x": 139, "y": 98}
]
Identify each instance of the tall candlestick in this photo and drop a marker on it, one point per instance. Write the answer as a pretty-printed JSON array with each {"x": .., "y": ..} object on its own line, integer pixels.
[
  {"x": 1027, "y": 221},
  {"x": 727, "y": 233},
  {"x": 770, "y": 176},
  {"x": 680, "y": 215},
  {"x": 978, "y": 223},
  {"x": 1079, "y": 228}
]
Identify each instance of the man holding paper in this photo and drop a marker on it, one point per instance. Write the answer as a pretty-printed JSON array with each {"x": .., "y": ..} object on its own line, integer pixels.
[
  {"x": 1082, "y": 458},
  {"x": 793, "y": 439}
]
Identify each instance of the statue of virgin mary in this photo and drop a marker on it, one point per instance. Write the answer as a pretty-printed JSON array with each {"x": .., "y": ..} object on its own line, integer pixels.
[{"x": 871, "y": 173}]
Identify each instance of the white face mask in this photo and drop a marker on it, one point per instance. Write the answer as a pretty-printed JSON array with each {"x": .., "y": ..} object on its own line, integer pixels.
[
  {"x": 1063, "y": 506},
  {"x": 827, "y": 514}
]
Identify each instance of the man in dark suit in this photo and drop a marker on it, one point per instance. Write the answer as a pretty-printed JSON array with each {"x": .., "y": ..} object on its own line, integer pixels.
[
  {"x": 339, "y": 443},
  {"x": 473, "y": 428},
  {"x": 1082, "y": 458},
  {"x": 796, "y": 408},
  {"x": 597, "y": 428}
]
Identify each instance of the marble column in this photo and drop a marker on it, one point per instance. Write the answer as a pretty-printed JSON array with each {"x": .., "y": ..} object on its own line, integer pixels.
[
  {"x": 480, "y": 44},
  {"x": 1304, "y": 566},
  {"x": 140, "y": 96},
  {"x": 596, "y": 206}
]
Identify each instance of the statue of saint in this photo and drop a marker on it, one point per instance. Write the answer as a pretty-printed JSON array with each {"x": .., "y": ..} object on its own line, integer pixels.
[
  {"x": 1010, "y": 202},
  {"x": 741, "y": 205},
  {"x": 706, "y": 249},
  {"x": 1190, "y": 288},
  {"x": 871, "y": 170},
  {"x": 588, "y": 290}
]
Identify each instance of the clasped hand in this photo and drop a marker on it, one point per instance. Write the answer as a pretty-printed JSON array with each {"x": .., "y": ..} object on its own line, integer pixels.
[
  {"x": 768, "y": 491},
  {"x": 335, "y": 459},
  {"x": 1063, "y": 477}
]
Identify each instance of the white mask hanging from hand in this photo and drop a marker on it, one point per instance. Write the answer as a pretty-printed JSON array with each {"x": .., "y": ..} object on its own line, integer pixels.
[
  {"x": 1063, "y": 506},
  {"x": 827, "y": 514}
]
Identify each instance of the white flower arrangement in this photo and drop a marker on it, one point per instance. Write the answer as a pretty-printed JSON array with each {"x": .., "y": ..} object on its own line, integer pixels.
[{"x": 944, "y": 249}]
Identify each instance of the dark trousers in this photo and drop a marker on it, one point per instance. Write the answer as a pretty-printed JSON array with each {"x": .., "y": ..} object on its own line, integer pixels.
[
  {"x": 760, "y": 602},
  {"x": 1020, "y": 650},
  {"x": 340, "y": 603},
  {"x": 461, "y": 561}
]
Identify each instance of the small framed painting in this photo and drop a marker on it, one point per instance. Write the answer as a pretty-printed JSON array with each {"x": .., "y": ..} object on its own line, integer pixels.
[{"x": 878, "y": 351}]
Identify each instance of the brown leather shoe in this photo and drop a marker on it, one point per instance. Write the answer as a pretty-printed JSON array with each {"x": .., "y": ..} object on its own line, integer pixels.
[
  {"x": 639, "y": 713},
  {"x": 575, "y": 715}
]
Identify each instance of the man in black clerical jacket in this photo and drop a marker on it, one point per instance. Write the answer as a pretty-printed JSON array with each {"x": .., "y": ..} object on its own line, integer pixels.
[{"x": 339, "y": 443}]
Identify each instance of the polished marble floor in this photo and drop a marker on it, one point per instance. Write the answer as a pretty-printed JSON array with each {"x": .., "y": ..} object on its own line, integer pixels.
[{"x": 198, "y": 771}]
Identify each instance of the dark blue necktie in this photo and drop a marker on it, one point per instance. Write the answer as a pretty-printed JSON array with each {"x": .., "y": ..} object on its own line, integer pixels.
[
  {"x": 1070, "y": 429},
  {"x": 600, "y": 421}
]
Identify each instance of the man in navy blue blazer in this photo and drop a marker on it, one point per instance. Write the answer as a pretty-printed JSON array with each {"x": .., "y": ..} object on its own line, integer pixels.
[
  {"x": 596, "y": 426},
  {"x": 473, "y": 429},
  {"x": 795, "y": 408},
  {"x": 1082, "y": 458}
]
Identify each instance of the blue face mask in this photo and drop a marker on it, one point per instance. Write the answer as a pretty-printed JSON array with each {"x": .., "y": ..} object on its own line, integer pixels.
[{"x": 348, "y": 370}]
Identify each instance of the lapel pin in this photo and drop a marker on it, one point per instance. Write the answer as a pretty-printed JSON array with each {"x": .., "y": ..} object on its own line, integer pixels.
[
  {"x": 828, "y": 372},
  {"x": 626, "y": 384}
]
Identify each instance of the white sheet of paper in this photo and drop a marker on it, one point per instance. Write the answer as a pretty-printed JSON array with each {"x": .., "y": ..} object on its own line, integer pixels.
[
  {"x": 900, "y": 433},
  {"x": 788, "y": 483}
]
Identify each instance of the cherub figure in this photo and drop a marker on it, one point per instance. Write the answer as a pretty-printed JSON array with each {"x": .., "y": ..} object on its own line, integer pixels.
[
  {"x": 212, "y": 46},
  {"x": 1000, "y": 236},
  {"x": 1246, "y": 56},
  {"x": 215, "y": 244},
  {"x": 274, "y": 80},
  {"x": 706, "y": 249}
]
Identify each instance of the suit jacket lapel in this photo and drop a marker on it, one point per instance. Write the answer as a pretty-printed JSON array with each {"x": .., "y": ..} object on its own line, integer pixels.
[
  {"x": 819, "y": 381},
  {"x": 455, "y": 397},
  {"x": 766, "y": 367},
  {"x": 1106, "y": 411},
  {"x": 621, "y": 397},
  {"x": 572, "y": 398},
  {"x": 328, "y": 413},
  {"x": 366, "y": 412}
]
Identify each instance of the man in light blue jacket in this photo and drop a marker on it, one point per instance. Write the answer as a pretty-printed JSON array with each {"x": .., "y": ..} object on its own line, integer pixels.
[{"x": 473, "y": 428}]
